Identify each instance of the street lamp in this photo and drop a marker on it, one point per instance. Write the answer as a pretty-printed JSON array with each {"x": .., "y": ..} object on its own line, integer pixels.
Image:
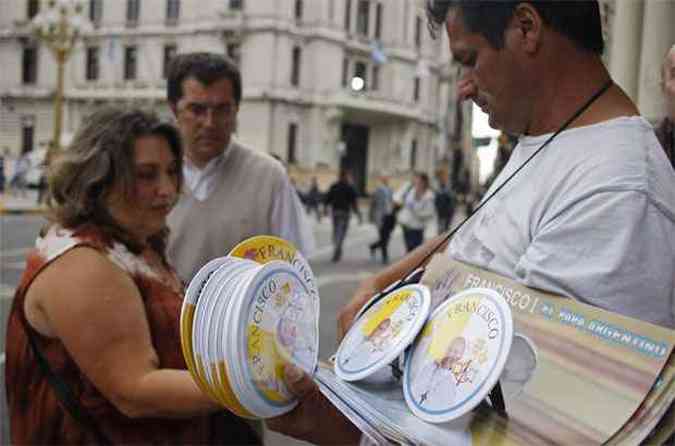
[{"x": 59, "y": 26}]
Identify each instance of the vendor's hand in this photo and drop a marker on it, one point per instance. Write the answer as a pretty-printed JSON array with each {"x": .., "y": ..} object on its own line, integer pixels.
[
  {"x": 314, "y": 419},
  {"x": 363, "y": 293}
]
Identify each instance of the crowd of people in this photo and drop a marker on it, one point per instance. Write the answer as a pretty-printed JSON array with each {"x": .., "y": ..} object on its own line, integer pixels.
[{"x": 138, "y": 205}]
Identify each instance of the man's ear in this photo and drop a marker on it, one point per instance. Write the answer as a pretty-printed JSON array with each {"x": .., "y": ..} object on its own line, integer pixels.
[
  {"x": 174, "y": 109},
  {"x": 529, "y": 25}
]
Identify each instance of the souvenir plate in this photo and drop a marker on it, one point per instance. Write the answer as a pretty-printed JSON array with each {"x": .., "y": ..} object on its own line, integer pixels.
[
  {"x": 277, "y": 292},
  {"x": 459, "y": 356},
  {"x": 266, "y": 248},
  {"x": 187, "y": 314},
  {"x": 383, "y": 332}
]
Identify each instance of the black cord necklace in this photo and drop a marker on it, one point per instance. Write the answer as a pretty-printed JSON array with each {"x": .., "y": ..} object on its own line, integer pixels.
[{"x": 413, "y": 276}]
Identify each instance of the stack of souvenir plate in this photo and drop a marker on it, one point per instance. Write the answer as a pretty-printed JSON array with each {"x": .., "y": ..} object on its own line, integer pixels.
[
  {"x": 241, "y": 321},
  {"x": 454, "y": 357}
]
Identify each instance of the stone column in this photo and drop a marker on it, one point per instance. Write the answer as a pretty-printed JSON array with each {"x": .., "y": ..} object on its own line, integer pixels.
[
  {"x": 625, "y": 45},
  {"x": 657, "y": 36}
]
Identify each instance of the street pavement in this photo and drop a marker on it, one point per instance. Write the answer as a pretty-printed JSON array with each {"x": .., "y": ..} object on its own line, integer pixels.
[{"x": 20, "y": 221}]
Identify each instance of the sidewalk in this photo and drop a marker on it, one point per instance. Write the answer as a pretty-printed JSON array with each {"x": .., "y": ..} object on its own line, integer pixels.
[{"x": 12, "y": 204}]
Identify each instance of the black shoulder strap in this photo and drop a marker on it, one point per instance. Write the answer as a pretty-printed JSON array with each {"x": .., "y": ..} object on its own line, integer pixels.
[{"x": 65, "y": 397}]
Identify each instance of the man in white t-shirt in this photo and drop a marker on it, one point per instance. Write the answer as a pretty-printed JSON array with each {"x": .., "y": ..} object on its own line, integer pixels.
[{"x": 592, "y": 216}]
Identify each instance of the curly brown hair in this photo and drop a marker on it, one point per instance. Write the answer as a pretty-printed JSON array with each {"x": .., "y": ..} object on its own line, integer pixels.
[{"x": 101, "y": 156}]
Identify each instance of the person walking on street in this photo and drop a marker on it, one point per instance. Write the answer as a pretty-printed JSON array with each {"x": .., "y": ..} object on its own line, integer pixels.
[
  {"x": 417, "y": 209},
  {"x": 17, "y": 185},
  {"x": 444, "y": 202},
  {"x": 313, "y": 199},
  {"x": 3, "y": 156},
  {"x": 341, "y": 198},
  {"x": 382, "y": 214}
]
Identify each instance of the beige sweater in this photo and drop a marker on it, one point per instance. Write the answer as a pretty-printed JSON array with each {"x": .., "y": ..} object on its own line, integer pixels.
[{"x": 239, "y": 207}]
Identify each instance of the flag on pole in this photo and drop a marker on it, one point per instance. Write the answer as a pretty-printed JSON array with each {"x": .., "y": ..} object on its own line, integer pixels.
[{"x": 377, "y": 54}]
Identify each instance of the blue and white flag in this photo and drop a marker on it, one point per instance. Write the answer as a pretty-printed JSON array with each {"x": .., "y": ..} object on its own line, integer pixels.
[{"x": 377, "y": 53}]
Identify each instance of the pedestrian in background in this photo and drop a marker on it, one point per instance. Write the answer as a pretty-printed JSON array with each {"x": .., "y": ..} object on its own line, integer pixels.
[
  {"x": 665, "y": 131},
  {"x": 444, "y": 201},
  {"x": 417, "y": 210},
  {"x": 341, "y": 199},
  {"x": 17, "y": 185},
  {"x": 313, "y": 199},
  {"x": 3, "y": 179},
  {"x": 382, "y": 215}
]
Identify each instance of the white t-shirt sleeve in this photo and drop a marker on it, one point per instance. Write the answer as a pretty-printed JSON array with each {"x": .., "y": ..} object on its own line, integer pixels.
[
  {"x": 598, "y": 250},
  {"x": 289, "y": 220}
]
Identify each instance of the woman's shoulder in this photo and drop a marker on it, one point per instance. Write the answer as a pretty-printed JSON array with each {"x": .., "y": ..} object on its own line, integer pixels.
[{"x": 58, "y": 240}]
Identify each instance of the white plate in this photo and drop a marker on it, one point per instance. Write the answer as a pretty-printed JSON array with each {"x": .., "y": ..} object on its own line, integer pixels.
[
  {"x": 275, "y": 288},
  {"x": 383, "y": 332},
  {"x": 459, "y": 356}
]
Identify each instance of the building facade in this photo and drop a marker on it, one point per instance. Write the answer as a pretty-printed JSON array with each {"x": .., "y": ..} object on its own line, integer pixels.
[
  {"x": 639, "y": 34},
  {"x": 327, "y": 83}
]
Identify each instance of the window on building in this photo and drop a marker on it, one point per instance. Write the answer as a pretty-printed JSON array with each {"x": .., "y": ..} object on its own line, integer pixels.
[
  {"x": 92, "y": 64},
  {"x": 348, "y": 15},
  {"x": 416, "y": 89},
  {"x": 406, "y": 22},
  {"x": 363, "y": 17},
  {"x": 345, "y": 71},
  {"x": 169, "y": 52},
  {"x": 172, "y": 11},
  {"x": 27, "y": 135},
  {"x": 375, "y": 81},
  {"x": 234, "y": 52},
  {"x": 295, "y": 68},
  {"x": 378, "y": 21},
  {"x": 133, "y": 11},
  {"x": 298, "y": 9},
  {"x": 130, "y": 62},
  {"x": 29, "y": 65},
  {"x": 418, "y": 32},
  {"x": 413, "y": 155},
  {"x": 32, "y": 8},
  {"x": 291, "y": 157},
  {"x": 360, "y": 71},
  {"x": 237, "y": 4},
  {"x": 95, "y": 11}
]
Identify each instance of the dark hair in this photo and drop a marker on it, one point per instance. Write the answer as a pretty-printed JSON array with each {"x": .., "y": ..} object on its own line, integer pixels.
[
  {"x": 100, "y": 156},
  {"x": 207, "y": 68},
  {"x": 577, "y": 20},
  {"x": 424, "y": 177}
]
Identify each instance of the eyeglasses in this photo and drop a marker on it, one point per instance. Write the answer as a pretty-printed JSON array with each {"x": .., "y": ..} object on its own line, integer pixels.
[{"x": 200, "y": 110}]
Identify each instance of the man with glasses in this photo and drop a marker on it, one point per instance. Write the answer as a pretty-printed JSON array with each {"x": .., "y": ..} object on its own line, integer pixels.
[{"x": 232, "y": 192}]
